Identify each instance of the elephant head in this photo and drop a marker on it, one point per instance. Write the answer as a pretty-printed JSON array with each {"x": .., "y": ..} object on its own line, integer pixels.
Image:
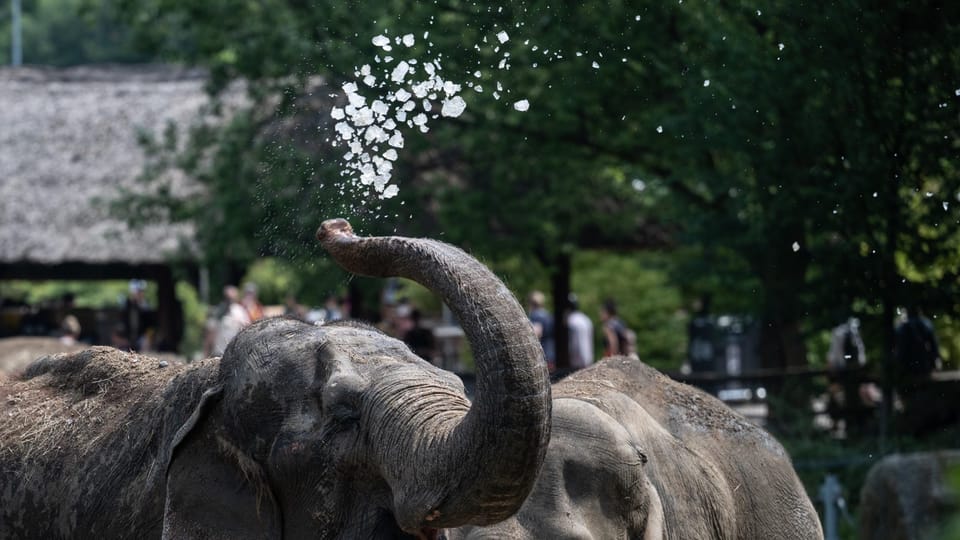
[{"x": 339, "y": 431}]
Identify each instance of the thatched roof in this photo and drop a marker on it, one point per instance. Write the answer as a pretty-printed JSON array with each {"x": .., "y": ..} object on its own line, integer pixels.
[{"x": 68, "y": 143}]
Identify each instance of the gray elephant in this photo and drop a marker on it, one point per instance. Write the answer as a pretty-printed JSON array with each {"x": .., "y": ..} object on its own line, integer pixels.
[
  {"x": 298, "y": 431},
  {"x": 909, "y": 496},
  {"x": 634, "y": 454}
]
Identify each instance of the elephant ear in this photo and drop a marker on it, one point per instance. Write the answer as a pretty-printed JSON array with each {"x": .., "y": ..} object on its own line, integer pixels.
[{"x": 212, "y": 489}]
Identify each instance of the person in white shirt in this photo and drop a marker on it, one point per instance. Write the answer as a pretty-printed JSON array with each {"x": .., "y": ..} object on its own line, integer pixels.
[
  {"x": 581, "y": 334},
  {"x": 234, "y": 319}
]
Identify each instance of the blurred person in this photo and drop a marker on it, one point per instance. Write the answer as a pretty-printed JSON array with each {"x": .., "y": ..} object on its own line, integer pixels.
[
  {"x": 402, "y": 319},
  {"x": 849, "y": 400},
  {"x": 118, "y": 337},
  {"x": 333, "y": 309},
  {"x": 617, "y": 338},
  {"x": 343, "y": 302},
  {"x": 418, "y": 338},
  {"x": 133, "y": 308},
  {"x": 234, "y": 319},
  {"x": 581, "y": 334},
  {"x": 388, "y": 319},
  {"x": 148, "y": 340},
  {"x": 251, "y": 303},
  {"x": 846, "y": 346},
  {"x": 65, "y": 306},
  {"x": 916, "y": 346},
  {"x": 542, "y": 322},
  {"x": 70, "y": 328},
  {"x": 291, "y": 308},
  {"x": 212, "y": 324}
]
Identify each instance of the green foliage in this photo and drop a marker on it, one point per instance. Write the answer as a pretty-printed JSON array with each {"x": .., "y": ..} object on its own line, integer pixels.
[
  {"x": 275, "y": 279},
  {"x": 194, "y": 320},
  {"x": 87, "y": 294},
  {"x": 948, "y": 334},
  {"x": 646, "y": 301},
  {"x": 951, "y": 530},
  {"x": 420, "y": 297}
]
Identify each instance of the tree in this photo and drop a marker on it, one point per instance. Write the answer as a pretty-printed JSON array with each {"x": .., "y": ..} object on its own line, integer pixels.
[
  {"x": 755, "y": 137},
  {"x": 549, "y": 200}
]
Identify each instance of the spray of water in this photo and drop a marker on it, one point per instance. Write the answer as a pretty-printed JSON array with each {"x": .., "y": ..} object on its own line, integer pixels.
[{"x": 395, "y": 95}]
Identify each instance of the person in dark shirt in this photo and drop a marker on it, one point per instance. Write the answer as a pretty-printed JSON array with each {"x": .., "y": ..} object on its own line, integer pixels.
[
  {"x": 917, "y": 348},
  {"x": 419, "y": 339},
  {"x": 542, "y": 322},
  {"x": 617, "y": 338}
]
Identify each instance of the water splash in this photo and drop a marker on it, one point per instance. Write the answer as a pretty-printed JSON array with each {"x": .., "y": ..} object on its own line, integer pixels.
[{"x": 398, "y": 97}]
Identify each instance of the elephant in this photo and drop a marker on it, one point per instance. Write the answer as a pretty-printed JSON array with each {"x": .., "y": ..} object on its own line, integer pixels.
[
  {"x": 634, "y": 454},
  {"x": 909, "y": 496},
  {"x": 298, "y": 430}
]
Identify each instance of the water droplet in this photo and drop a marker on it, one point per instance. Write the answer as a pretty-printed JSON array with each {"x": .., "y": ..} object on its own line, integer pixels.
[{"x": 453, "y": 107}]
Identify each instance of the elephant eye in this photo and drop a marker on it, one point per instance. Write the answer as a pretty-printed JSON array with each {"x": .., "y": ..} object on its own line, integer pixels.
[{"x": 343, "y": 414}]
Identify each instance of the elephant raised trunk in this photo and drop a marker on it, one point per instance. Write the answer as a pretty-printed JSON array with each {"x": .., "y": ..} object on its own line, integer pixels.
[{"x": 481, "y": 464}]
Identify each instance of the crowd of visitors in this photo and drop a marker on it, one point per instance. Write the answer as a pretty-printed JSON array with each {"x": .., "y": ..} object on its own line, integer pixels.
[
  {"x": 916, "y": 352},
  {"x": 618, "y": 339}
]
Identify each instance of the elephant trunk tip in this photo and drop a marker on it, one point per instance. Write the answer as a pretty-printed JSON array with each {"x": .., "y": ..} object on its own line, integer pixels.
[{"x": 332, "y": 229}]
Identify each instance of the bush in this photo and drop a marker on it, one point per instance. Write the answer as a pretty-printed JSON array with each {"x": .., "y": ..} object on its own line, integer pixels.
[{"x": 194, "y": 319}]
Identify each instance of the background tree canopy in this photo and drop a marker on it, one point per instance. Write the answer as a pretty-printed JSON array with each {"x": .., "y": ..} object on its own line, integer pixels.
[{"x": 796, "y": 164}]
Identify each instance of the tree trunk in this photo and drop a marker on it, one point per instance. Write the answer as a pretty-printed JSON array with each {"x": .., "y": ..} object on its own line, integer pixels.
[
  {"x": 169, "y": 312},
  {"x": 889, "y": 294},
  {"x": 560, "y": 290}
]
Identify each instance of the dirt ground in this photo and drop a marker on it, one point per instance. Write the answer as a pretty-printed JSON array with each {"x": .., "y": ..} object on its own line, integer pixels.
[{"x": 17, "y": 352}]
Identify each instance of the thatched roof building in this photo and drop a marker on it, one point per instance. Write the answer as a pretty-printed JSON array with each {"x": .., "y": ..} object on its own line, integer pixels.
[
  {"x": 68, "y": 146},
  {"x": 69, "y": 143}
]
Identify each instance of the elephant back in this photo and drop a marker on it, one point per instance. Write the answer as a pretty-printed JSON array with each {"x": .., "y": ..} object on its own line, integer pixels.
[
  {"x": 908, "y": 496},
  {"x": 79, "y": 438},
  {"x": 695, "y": 447},
  {"x": 683, "y": 409}
]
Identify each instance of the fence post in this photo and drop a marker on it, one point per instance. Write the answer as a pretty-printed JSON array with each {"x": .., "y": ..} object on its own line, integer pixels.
[{"x": 830, "y": 493}]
